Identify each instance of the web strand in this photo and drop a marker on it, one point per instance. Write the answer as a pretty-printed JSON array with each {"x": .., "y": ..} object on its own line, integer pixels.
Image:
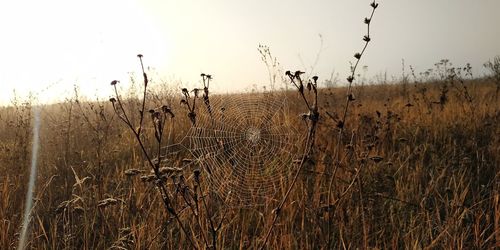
[{"x": 246, "y": 145}]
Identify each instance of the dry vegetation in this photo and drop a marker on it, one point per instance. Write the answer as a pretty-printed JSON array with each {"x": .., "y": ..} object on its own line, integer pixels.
[
  {"x": 412, "y": 172},
  {"x": 409, "y": 165}
]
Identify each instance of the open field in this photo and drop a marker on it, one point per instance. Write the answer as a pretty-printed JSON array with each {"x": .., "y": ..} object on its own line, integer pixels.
[{"x": 413, "y": 165}]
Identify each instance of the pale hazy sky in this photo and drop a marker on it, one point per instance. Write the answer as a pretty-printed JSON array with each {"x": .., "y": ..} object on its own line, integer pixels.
[{"x": 48, "y": 46}]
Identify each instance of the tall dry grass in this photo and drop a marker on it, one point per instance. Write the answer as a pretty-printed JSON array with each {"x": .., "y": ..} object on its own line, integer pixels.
[{"x": 412, "y": 173}]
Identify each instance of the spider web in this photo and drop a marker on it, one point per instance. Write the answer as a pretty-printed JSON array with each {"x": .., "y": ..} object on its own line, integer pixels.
[{"x": 246, "y": 145}]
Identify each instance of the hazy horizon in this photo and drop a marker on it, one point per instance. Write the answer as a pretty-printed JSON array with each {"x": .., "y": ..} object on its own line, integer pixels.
[{"x": 50, "y": 46}]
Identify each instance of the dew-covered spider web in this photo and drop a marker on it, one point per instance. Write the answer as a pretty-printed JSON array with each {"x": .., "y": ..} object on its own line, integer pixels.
[{"x": 247, "y": 146}]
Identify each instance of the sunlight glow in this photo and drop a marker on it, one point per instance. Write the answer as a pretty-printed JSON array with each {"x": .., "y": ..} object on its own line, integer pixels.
[{"x": 53, "y": 45}]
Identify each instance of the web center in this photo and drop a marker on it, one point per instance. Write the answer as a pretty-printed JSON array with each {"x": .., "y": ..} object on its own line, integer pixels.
[{"x": 253, "y": 135}]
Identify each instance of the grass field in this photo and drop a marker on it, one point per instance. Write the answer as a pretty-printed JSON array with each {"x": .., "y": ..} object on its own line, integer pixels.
[{"x": 413, "y": 165}]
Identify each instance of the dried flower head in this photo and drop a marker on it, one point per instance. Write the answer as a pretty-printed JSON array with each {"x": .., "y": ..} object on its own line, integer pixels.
[
  {"x": 195, "y": 91},
  {"x": 114, "y": 82},
  {"x": 315, "y": 79},
  {"x": 166, "y": 109},
  {"x": 298, "y": 73}
]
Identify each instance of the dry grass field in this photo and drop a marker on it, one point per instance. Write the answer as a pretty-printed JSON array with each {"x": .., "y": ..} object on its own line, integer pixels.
[
  {"x": 413, "y": 165},
  {"x": 408, "y": 164}
]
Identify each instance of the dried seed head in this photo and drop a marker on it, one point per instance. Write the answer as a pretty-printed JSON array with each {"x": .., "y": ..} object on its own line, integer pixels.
[
  {"x": 196, "y": 91},
  {"x": 298, "y": 73},
  {"x": 366, "y": 38},
  {"x": 357, "y": 56},
  {"x": 315, "y": 79},
  {"x": 148, "y": 178},
  {"x": 367, "y": 20},
  {"x": 112, "y": 100},
  {"x": 114, "y": 82},
  {"x": 139, "y": 55},
  {"x": 165, "y": 109},
  {"x": 132, "y": 172},
  {"x": 169, "y": 170},
  {"x": 107, "y": 202},
  {"x": 350, "y": 79}
]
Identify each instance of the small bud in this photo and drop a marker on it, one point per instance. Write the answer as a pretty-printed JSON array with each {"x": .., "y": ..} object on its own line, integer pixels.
[
  {"x": 202, "y": 75},
  {"x": 139, "y": 55},
  {"x": 112, "y": 100},
  {"x": 374, "y": 5},
  {"x": 357, "y": 56},
  {"x": 350, "y": 79},
  {"x": 114, "y": 82},
  {"x": 366, "y": 38},
  {"x": 367, "y": 20}
]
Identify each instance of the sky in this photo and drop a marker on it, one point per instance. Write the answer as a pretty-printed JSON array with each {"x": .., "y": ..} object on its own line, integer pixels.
[{"x": 47, "y": 47}]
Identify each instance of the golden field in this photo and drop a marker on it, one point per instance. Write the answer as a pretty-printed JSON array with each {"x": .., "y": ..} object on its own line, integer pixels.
[{"x": 413, "y": 165}]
